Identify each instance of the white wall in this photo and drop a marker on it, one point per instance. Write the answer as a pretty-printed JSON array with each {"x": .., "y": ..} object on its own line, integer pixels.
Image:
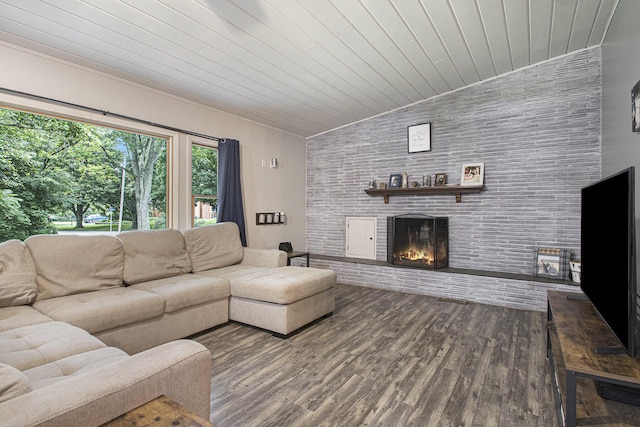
[
  {"x": 264, "y": 189},
  {"x": 620, "y": 72}
]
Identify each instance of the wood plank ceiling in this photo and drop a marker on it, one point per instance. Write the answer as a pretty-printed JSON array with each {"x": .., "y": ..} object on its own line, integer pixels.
[{"x": 305, "y": 66}]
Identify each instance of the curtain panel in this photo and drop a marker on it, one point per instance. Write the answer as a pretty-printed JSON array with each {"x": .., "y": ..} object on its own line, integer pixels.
[{"x": 230, "y": 205}]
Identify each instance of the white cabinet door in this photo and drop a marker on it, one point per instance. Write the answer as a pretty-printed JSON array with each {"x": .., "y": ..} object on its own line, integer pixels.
[{"x": 361, "y": 237}]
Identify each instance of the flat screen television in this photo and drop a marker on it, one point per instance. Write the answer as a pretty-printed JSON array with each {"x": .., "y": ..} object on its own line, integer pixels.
[{"x": 608, "y": 265}]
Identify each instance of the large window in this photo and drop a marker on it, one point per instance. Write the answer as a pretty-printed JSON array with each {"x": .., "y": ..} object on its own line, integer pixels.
[
  {"x": 204, "y": 184},
  {"x": 63, "y": 176}
]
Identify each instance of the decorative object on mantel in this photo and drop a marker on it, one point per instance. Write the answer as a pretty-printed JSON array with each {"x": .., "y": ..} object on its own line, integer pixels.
[
  {"x": 441, "y": 179},
  {"x": 635, "y": 108},
  {"x": 382, "y": 185},
  {"x": 426, "y": 180},
  {"x": 419, "y": 137},
  {"x": 551, "y": 262},
  {"x": 372, "y": 184},
  {"x": 405, "y": 180},
  {"x": 395, "y": 180},
  {"x": 457, "y": 190},
  {"x": 472, "y": 174},
  {"x": 264, "y": 218},
  {"x": 414, "y": 184}
]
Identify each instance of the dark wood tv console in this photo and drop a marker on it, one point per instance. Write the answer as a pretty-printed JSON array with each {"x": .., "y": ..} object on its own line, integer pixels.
[{"x": 573, "y": 330}]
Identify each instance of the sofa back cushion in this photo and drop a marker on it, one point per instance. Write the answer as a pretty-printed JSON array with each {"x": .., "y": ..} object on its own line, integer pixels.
[
  {"x": 17, "y": 274},
  {"x": 153, "y": 254},
  {"x": 72, "y": 264},
  {"x": 13, "y": 383},
  {"x": 214, "y": 246}
]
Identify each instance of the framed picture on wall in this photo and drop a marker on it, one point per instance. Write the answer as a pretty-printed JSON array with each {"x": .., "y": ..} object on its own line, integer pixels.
[
  {"x": 472, "y": 174},
  {"x": 419, "y": 137},
  {"x": 635, "y": 108}
]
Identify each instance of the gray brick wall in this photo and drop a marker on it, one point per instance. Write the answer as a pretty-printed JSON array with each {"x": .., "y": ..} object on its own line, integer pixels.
[{"x": 538, "y": 132}]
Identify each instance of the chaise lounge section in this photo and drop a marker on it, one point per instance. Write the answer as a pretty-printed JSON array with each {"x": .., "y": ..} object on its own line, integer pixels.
[{"x": 264, "y": 291}]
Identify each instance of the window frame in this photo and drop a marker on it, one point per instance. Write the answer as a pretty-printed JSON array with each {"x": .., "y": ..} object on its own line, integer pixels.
[{"x": 38, "y": 107}]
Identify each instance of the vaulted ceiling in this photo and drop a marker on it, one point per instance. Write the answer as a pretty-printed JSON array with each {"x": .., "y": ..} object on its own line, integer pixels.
[{"x": 305, "y": 66}]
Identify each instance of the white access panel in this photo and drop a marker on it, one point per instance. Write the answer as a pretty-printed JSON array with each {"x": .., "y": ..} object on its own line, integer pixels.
[{"x": 361, "y": 237}]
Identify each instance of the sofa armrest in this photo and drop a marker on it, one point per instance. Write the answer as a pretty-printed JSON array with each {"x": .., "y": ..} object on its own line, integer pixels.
[
  {"x": 180, "y": 370},
  {"x": 264, "y": 257}
]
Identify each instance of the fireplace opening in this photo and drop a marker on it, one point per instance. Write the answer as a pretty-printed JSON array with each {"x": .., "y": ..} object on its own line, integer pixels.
[{"x": 420, "y": 241}]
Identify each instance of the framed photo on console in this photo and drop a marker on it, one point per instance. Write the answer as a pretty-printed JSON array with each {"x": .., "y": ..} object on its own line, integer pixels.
[{"x": 472, "y": 174}]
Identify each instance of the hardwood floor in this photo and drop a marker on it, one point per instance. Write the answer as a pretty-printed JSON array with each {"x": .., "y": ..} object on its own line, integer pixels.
[{"x": 387, "y": 359}]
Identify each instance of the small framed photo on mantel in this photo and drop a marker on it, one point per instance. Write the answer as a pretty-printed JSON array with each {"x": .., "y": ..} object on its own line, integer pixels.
[
  {"x": 472, "y": 174},
  {"x": 419, "y": 137},
  {"x": 395, "y": 180}
]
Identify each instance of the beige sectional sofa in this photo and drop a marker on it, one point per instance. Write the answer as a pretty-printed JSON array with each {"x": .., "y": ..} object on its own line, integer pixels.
[{"x": 91, "y": 326}]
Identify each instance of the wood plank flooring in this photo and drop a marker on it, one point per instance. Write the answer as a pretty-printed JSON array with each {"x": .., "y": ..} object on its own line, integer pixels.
[{"x": 387, "y": 359}]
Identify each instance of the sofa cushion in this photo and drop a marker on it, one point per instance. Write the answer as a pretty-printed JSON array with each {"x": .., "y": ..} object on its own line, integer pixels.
[
  {"x": 186, "y": 290},
  {"x": 22, "y": 315},
  {"x": 71, "y": 264},
  {"x": 13, "y": 383},
  {"x": 17, "y": 274},
  {"x": 264, "y": 257},
  {"x": 103, "y": 310},
  {"x": 153, "y": 254},
  {"x": 280, "y": 285},
  {"x": 214, "y": 246},
  {"x": 49, "y": 373},
  {"x": 35, "y": 345}
]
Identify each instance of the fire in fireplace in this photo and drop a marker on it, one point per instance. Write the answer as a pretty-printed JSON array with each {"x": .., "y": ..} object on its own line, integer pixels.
[{"x": 419, "y": 241}]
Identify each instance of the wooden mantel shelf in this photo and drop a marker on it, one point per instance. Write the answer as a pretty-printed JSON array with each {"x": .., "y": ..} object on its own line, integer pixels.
[{"x": 458, "y": 190}]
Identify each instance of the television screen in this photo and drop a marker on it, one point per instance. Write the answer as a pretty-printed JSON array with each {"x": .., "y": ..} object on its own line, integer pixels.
[{"x": 607, "y": 253}]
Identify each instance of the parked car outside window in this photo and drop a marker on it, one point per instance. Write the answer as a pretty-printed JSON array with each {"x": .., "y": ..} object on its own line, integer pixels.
[{"x": 95, "y": 218}]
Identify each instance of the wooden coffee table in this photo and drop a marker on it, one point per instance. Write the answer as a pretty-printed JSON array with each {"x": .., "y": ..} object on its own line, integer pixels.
[{"x": 160, "y": 412}]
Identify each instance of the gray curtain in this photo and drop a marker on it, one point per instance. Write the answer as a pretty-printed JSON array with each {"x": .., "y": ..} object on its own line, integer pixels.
[{"x": 230, "y": 206}]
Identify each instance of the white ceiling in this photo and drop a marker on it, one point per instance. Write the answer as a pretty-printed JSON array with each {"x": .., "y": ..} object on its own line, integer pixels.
[{"x": 305, "y": 66}]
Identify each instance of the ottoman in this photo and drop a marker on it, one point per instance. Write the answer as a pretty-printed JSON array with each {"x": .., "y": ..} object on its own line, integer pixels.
[{"x": 280, "y": 299}]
